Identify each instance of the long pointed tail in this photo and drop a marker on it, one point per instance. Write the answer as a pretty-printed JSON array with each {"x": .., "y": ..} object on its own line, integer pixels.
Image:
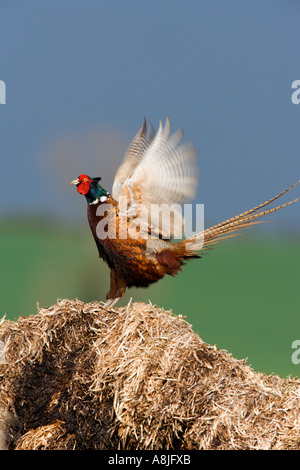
[{"x": 216, "y": 234}]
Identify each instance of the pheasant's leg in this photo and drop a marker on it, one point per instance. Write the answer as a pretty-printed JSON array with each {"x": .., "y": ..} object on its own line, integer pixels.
[{"x": 117, "y": 289}]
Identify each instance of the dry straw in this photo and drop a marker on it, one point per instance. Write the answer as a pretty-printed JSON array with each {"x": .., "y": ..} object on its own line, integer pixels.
[{"x": 78, "y": 376}]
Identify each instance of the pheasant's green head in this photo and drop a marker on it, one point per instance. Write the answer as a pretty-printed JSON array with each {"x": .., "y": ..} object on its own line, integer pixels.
[{"x": 90, "y": 188}]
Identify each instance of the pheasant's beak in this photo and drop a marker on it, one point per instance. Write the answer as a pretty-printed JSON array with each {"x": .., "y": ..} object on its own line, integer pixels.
[{"x": 75, "y": 182}]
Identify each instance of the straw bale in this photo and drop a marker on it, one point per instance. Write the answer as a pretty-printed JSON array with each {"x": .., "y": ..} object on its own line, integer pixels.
[{"x": 80, "y": 376}]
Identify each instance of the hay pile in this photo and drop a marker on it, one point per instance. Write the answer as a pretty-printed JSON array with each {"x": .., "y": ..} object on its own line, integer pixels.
[{"x": 78, "y": 376}]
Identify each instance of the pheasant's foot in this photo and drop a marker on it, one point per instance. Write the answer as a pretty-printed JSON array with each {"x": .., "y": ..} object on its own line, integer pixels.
[{"x": 112, "y": 302}]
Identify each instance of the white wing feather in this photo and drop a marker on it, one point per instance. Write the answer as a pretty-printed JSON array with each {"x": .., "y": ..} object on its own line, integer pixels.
[{"x": 157, "y": 171}]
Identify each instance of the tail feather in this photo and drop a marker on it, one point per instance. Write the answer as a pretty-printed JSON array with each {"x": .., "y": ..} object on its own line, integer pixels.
[{"x": 228, "y": 228}]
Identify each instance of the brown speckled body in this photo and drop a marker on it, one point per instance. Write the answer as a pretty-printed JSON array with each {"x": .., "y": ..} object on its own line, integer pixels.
[{"x": 133, "y": 262}]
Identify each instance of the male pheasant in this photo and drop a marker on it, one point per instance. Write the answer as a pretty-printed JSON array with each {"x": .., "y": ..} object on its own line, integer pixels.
[{"x": 157, "y": 173}]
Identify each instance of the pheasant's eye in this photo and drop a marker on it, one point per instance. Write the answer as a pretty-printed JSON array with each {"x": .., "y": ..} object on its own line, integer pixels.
[{"x": 85, "y": 180}]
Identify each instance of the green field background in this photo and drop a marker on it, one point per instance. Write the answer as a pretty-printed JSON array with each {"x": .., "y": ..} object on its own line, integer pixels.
[{"x": 242, "y": 296}]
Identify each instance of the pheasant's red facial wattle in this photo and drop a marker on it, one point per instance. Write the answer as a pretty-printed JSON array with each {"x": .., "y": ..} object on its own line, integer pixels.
[
  {"x": 83, "y": 188},
  {"x": 84, "y": 184}
]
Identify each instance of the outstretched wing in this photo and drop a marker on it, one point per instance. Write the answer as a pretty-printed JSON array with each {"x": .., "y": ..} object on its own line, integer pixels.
[
  {"x": 157, "y": 175},
  {"x": 132, "y": 158}
]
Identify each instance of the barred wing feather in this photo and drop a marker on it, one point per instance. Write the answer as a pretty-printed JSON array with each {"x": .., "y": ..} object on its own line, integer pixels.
[{"x": 157, "y": 176}]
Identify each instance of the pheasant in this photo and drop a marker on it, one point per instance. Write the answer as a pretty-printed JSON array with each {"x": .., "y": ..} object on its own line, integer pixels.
[{"x": 158, "y": 172}]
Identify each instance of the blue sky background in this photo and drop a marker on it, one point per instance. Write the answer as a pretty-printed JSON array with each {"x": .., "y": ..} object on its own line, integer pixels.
[{"x": 81, "y": 75}]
